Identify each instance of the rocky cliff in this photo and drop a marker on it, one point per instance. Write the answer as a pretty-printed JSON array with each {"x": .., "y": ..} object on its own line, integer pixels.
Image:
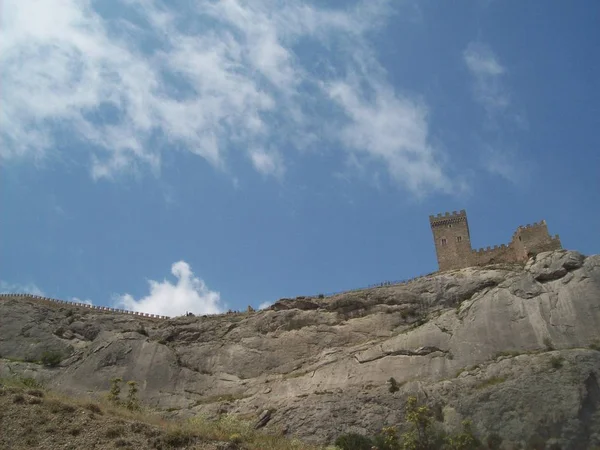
[{"x": 514, "y": 348}]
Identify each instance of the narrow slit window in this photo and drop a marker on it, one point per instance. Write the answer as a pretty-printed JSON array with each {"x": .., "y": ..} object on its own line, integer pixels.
[
  {"x": 443, "y": 241},
  {"x": 458, "y": 238}
]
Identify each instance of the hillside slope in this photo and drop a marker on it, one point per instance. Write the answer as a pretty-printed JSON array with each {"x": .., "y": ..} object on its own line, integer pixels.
[{"x": 513, "y": 348}]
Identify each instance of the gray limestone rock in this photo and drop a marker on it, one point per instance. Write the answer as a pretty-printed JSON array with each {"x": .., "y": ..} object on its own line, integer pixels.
[{"x": 513, "y": 348}]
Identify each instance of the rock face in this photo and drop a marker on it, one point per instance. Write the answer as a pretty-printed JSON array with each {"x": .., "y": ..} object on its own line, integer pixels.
[{"x": 514, "y": 349}]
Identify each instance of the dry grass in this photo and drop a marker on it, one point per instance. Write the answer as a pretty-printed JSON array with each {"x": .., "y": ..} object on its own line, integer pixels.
[{"x": 80, "y": 421}]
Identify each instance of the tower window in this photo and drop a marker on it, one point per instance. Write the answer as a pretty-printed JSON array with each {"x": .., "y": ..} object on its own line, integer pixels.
[
  {"x": 443, "y": 241},
  {"x": 519, "y": 237},
  {"x": 449, "y": 225},
  {"x": 458, "y": 238}
]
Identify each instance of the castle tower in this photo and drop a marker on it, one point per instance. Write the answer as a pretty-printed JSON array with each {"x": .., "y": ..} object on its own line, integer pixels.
[{"x": 452, "y": 240}]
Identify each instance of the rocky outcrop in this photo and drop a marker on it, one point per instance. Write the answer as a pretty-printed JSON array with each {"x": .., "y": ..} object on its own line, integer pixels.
[{"x": 513, "y": 348}]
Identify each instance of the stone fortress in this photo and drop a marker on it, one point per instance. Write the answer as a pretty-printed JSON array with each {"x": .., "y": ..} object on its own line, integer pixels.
[
  {"x": 452, "y": 246},
  {"x": 453, "y": 243}
]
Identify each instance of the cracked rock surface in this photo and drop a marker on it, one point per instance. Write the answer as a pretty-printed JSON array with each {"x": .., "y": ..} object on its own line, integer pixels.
[{"x": 513, "y": 348}]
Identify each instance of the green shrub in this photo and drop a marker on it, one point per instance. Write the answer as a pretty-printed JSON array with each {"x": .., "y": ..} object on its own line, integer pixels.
[
  {"x": 393, "y": 385},
  {"x": 51, "y": 358},
  {"x": 494, "y": 441},
  {"x": 465, "y": 440},
  {"x": 421, "y": 418},
  {"x": 114, "y": 432},
  {"x": 115, "y": 391},
  {"x": 548, "y": 344},
  {"x": 178, "y": 438},
  {"x": 353, "y": 441},
  {"x": 557, "y": 362},
  {"x": 133, "y": 403},
  {"x": 387, "y": 439}
]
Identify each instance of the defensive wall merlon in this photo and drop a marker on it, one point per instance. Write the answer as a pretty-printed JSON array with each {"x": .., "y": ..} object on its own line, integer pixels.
[{"x": 84, "y": 305}]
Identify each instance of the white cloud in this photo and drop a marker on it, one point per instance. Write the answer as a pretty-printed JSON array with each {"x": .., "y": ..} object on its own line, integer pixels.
[
  {"x": 209, "y": 78},
  {"x": 15, "y": 288},
  {"x": 392, "y": 130},
  {"x": 268, "y": 163},
  {"x": 487, "y": 72},
  {"x": 188, "y": 294},
  {"x": 264, "y": 305}
]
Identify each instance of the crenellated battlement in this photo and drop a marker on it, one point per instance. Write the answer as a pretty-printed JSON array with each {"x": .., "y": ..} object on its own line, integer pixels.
[
  {"x": 490, "y": 249},
  {"x": 453, "y": 247},
  {"x": 444, "y": 217},
  {"x": 83, "y": 305}
]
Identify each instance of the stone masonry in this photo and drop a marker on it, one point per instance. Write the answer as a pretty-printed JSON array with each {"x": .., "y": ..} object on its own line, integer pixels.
[{"x": 453, "y": 243}]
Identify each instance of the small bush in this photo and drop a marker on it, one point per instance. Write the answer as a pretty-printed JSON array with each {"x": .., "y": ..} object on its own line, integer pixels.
[
  {"x": 114, "y": 432},
  {"x": 132, "y": 403},
  {"x": 51, "y": 358},
  {"x": 56, "y": 406},
  {"x": 595, "y": 345},
  {"x": 93, "y": 407},
  {"x": 491, "y": 382},
  {"x": 35, "y": 393},
  {"x": 465, "y": 440},
  {"x": 494, "y": 441},
  {"x": 393, "y": 385},
  {"x": 536, "y": 442},
  {"x": 557, "y": 362},
  {"x": 236, "y": 438},
  {"x": 18, "y": 399},
  {"x": 548, "y": 344},
  {"x": 178, "y": 438},
  {"x": 353, "y": 441},
  {"x": 321, "y": 296},
  {"x": 115, "y": 391},
  {"x": 29, "y": 382}
]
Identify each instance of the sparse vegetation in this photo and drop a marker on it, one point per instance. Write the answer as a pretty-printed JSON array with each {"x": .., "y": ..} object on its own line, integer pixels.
[
  {"x": 595, "y": 345},
  {"x": 393, "y": 385},
  {"x": 557, "y": 362},
  {"x": 494, "y": 441},
  {"x": 422, "y": 435},
  {"x": 548, "y": 344},
  {"x": 115, "y": 391},
  {"x": 132, "y": 403},
  {"x": 491, "y": 382},
  {"x": 51, "y": 358},
  {"x": 353, "y": 441},
  {"x": 127, "y": 428},
  {"x": 512, "y": 353}
]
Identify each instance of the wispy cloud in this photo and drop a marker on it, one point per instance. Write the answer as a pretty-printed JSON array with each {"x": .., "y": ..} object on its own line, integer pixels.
[
  {"x": 209, "y": 78},
  {"x": 487, "y": 73},
  {"x": 188, "y": 294},
  {"x": 268, "y": 163},
  {"x": 16, "y": 288},
  {"x": 497, "y": 156}
]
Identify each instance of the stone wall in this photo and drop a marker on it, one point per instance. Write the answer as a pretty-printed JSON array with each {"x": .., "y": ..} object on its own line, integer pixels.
[
  {"x": 82, "y": 305},
  {"x": 452, "y": 239},
  {"x": 453, "y": 243}
]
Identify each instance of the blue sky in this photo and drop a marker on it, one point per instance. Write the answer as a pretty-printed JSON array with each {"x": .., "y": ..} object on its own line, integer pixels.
[{"x": 173, "y": 156}]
